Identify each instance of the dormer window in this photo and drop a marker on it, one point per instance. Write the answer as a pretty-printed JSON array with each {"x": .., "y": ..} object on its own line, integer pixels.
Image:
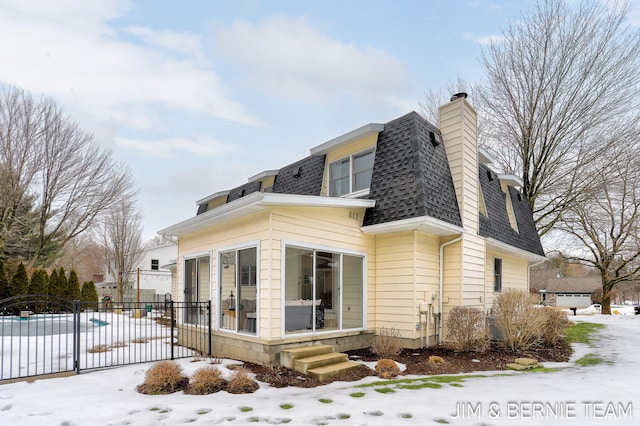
[{"x": 351, "y": 174}]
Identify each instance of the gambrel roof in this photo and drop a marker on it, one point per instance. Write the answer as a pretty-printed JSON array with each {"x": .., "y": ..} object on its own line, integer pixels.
[{"x": 411, "y": 178}]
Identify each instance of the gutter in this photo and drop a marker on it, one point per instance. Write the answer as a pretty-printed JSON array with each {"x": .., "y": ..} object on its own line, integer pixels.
[{"x": 441, "y": 284}]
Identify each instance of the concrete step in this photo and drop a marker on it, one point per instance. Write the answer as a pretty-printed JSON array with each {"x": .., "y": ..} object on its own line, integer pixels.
[
  {"x": 303, "y": 365},
  {"x": 288, "y": 356},
  {"x": 327, "y": 371}
]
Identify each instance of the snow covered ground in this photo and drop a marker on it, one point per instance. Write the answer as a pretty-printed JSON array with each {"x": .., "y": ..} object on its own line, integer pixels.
[{"x": 607, "y": 393}]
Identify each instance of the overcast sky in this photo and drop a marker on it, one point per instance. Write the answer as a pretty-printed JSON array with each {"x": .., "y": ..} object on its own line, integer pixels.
[{"x": 197, "y": 96}]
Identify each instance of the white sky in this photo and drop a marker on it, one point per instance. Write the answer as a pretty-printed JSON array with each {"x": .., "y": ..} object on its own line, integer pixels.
[
  {"x": 109, "y": 397},
  {"x": 196, "y": 96}
]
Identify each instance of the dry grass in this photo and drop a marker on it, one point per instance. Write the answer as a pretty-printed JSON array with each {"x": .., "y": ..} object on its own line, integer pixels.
[
  {"x": 205, "y": 381},
  {"x": 387, "y": 368},
  {"x": 119, "y": 345},
  {"x": 98, "y": 349},
  {"x": 386, "y": 343},
  {"x": 467, "y": 329},
  {"x": 241, "y": 382},
  {"x": 162, "y": 378},
  {"x": 556, "y": 323},
  {"x": 435, "y": 359}
]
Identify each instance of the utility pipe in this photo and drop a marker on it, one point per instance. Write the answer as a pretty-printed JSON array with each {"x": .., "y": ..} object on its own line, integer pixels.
[{"x": 441, "y": 285}]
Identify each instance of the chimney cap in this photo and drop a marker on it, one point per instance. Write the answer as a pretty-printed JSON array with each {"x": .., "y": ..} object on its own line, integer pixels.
[{"x": 459, "y": 95}]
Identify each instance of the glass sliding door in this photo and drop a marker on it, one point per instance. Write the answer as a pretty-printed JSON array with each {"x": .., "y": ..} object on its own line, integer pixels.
[
  {"x": 238, "y": 290},
  {"x": 196, "y": 287},
  {"x": 323, "y": 290}
]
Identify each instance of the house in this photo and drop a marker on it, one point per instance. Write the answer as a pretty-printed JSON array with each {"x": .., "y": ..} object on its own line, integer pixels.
[
  {"x": 150, "y": 279},
  {"x": 390, "y": 225},
  {"x": 570, "y": 291}
]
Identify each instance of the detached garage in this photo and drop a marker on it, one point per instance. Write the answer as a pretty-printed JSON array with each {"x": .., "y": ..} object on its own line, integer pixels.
[{"x": 570, "y": 292}]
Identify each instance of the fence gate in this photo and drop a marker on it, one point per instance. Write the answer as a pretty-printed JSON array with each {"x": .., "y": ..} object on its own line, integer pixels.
[{"x": 44, "y": 334}]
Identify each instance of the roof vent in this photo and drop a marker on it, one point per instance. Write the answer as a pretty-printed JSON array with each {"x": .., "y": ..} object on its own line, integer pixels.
[
  {"x": 519, "y": 196},
  {"x": 298, "y": 173},
  {"x": 435, "y": 138},
  {"x": 489, "y": 175},
  {"x": 459, "y": 95}
]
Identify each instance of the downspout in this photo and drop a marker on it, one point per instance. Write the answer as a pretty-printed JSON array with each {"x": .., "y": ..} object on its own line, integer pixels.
[{"x": 441, "y": 284}]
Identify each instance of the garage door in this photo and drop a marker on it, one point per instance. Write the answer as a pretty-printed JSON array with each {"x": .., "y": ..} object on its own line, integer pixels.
[{"x": 576, "y": 300}]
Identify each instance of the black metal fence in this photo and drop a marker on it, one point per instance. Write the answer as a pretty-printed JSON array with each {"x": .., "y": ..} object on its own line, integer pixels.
[{"x": 43, "y": 334}]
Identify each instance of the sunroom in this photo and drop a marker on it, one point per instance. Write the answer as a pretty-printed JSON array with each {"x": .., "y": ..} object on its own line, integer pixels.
[{"x": 274, "y": 274}]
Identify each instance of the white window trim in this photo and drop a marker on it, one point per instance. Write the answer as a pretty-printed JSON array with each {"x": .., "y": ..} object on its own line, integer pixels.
[
  {"x": 321, "y": 247},
  {"x": 181, "y": 271},
  {"x": 351, "y": 193},
  {"x": 501, "y": 274},
  {"x": 235, "y": 247}
]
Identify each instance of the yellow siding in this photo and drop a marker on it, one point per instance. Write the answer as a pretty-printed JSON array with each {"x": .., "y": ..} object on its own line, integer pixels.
[
  {"x": 267, "y": 182},
  {"x": 240, "y": 231},
  {"x": 457, "y": 122},
  {"x": 473, "y": 266},
  {"x": 452, "y": 271},
  {"x": 515, "y": 272},
  {"x": 395, "y": 284},
  {"x": 216, "y": 202}
]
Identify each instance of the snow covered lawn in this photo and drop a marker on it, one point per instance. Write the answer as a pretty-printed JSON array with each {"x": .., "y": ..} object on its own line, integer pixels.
[{"x": 606, "y": 393}]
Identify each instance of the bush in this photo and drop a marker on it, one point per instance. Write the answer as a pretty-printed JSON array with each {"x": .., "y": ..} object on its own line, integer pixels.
[
  {"x": 556, "y": 323},
  {"x": 162, "y": 378},
  {"x": 242, "y": 383},
  {"x": 435, "y": 359},
  {"x": 386, "y": 343},
  {"x": 206, "y": 380},
  {"x": 467, "y": 329},
  {"x": 387, "y": 368},
  {"x": 521, "y": 323}
]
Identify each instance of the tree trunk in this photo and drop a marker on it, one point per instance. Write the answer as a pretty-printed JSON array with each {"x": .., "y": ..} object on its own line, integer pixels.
[{"x": 606, "y": 301}]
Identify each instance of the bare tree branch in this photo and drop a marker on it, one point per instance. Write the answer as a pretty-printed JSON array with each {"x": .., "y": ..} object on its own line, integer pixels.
[
  {"x": 563, "y": 79},
  {"x": 47, "y": 160}
]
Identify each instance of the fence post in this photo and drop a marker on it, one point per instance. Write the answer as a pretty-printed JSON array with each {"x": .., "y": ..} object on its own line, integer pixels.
[
  {"x": 76, "y": 335},
  {"x": 209, "y": 331},
  {"x": 172, "y": 325}
]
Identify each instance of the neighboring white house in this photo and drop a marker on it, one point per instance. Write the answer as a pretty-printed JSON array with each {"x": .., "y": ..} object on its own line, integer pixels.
[{"x": 154, "y": 277}]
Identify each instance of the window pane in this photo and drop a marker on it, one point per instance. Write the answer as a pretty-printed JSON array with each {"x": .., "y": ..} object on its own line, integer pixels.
[
  {"x": 362, "y": 180},
  {"x": 298, "y": 290},
  {"x": 228, "y": 294},
  {"x": 497, "y": 272},
  {"x": 339, "y": 187},
  {"x": 246, "y": 292},
  {"x": 363, "y": 162},
  {"x": 339, "y": 177}
]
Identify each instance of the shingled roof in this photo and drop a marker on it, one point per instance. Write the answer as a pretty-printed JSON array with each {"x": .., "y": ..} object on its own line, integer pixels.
[
  {"x": 496, "y": 224},
  {"x": 411, "y": 176}
]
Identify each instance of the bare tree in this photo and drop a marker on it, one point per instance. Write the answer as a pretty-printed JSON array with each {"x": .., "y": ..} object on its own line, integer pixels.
[
  {"x": 605, "y": 223},
  {"x": 122, "y": 234},
  {"x": 433, "y": 98},
  {"x": 562, "y": 81},
  {"x": 160, "y": 240},
  {"x": 84, "y": 254},
  {"x": 53, "y": 169}
]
